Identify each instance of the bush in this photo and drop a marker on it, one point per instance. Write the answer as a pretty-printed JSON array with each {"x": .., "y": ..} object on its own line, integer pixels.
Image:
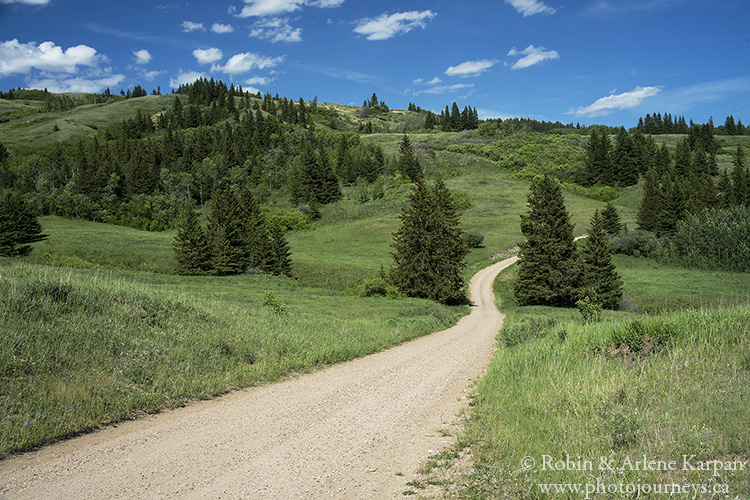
[
  {"x": 461, "y": 200},
  {"x": 377, "y": 287},
  {"x": 473, "y": 239},
  {"x": 714, "y": 239},
  {"x": 636, "y": 243}
]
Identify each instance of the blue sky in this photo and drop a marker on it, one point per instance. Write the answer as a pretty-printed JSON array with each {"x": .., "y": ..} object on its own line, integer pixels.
[{"x": 587, "y": 61}]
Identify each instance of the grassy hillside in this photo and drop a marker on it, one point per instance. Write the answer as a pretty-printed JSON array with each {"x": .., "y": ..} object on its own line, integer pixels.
[
  {"x": 83, "y": 121},
  {"x": 81, "y": 348}
]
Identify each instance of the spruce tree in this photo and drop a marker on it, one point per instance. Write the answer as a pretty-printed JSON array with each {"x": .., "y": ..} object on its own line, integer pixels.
[
  {"x": 191, "y": 248},
  {"x": 429, "y": 249},
  {"x": 408, "y": 164},
  {"x": 611, "y": 223},
  {"x": 548, "y": 271},
  {"x": 19, "y": 224},
  {"x": 600, "y": 279},
  {"x": 227, "y": 243},
  {"x": 648, "y": 210},
  {"x": 279, "y": 262}
]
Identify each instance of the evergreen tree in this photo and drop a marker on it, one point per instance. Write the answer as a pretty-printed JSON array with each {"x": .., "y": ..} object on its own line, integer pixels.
[
  {"x": 408, "y": 164},
  {"x": 191, "y": 248},
  {"x": 601, "y": 282},
  {"x": 228, "y": 247},
  {"x": 672, "y": 206},
  {"x": 648, "y": 210},
  {"x": 253, "y": 231},
  {"x": 279, "y": 262},
  {"x": 429, "y": 246},
  {"x": 548, "y": 271},
  {"x": 610, "y": 219},
  {"x": 19, "y": 224}
]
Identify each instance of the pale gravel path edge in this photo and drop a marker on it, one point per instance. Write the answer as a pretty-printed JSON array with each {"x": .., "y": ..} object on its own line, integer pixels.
[{"x": 359, "y": 429}]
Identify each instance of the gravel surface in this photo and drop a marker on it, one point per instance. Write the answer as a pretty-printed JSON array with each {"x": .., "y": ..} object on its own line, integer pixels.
[{"x": 359, "y": 429}]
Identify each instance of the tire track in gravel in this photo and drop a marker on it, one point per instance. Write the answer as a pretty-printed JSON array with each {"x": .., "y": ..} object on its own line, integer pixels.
[{"x": 342, "y": 432}]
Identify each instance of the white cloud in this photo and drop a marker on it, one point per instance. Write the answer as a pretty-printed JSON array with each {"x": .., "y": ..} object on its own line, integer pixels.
[
  {"x": 470, "y": 68},
  {"x": 387, "y": 26},
  {"x": 150, "y": 75},
  {"x": 276, "y": 30},
  {"x": 16, "y": 57},
  {"x": 142, "y": 57},
  {"x": 26, "y": 2},
  {"x": 258, "y": 80},
  {"x": 270, "y": 7},
  {"x": 185, "y": 77},
  {"x": 75, "y": 84},
  {"x": 611, "y": 103},
  {"x": 207, "y": 56},
  {"x": 188, "y": 26},
  {"x": 420, "y": 81},
  {"x": 325, "y": 4},
  {"x": 242, "y": 63},
  {"x": 222, "y": 28},
  {"x": 530, "y": 7},
  {"x": 532, "y": 55},
  {"x": 444, "y": 89}
]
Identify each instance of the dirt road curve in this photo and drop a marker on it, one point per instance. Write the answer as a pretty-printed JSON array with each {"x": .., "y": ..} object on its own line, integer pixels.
[{"x": 342, "y": 432}]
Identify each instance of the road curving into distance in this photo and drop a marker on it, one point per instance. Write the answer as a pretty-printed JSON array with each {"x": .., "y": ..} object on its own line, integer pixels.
[{"x": 358, "y": 429}]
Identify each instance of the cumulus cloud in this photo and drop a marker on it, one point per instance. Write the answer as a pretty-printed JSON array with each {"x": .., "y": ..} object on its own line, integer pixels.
[
  {"x": 242, "y": 63},
  {"x": 222, "y": 28},
  {"x": 611, "y": 103},
  {"x": 185, "y": 77},
  {"x": 188, "y": 26},
  {"x": 327, "y": 3},
  {"x": 530, "y": 7},
  {"x": 259, "y": 8},
  {"x": 387, "y": 26},
  {"x": 75, "y": 84},
  {"x": 142, "y": 57},
  {"x": 276, "y": 30},
  {"x": 21, "y": 58},
  {"x": 470, "y": 68},
  {"x": 532, "y": 55},
  {"x": 207, "y": 56},
  {"x": 258, "y": 80}
]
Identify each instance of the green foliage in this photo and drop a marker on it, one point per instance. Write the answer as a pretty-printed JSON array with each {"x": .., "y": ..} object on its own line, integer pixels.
[
  {"x": 473, "y": 239},
  {"x": 430, "y": 250},
  {"x": 637, "y": 243},
  {"x": 714, "y": 239},
  {"x": 611, "y": 223},
  {"x": 599, "y": 278},
  {"x": 590, "y": 310},
  {"x": 408, "y": 164},
  {"x": 273, "y": 303},
  {"x": 549, "y": 271},
  {"x": 376, "y": 287},
  {"x": 191, "y": 246},
  {"x": 18, "y": 224}
]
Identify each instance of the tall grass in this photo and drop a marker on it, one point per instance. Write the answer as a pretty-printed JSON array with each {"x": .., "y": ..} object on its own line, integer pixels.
[
  {"x": 83, "y": 348},
  {"x": 661, "y": 387}
]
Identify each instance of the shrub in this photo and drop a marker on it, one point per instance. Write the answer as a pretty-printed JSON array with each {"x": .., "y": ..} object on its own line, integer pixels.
[
  {"x": 273, "y": 303},
  {"x": 714, "y": 239},
  {"x": 377, "y": 287},
  {"x": 461, "y": 200},
  {"x": 637, "y": 243},
  {"x": 473, "y": 239}
]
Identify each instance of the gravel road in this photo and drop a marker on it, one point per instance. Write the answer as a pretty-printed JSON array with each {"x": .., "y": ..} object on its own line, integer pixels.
[{"x": 355, "y": 430}]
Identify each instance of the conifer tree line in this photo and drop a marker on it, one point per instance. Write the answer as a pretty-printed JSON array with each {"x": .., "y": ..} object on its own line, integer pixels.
[
  {"x": 237, "y": 240},
  {"x": 143, "y": 171},
  {"x": 552, "y": 269},
  {"x": 621, "y": 162},
  {"x": 656, "y": 124},
  {"x": 429, "y": 246},
  {"x": 686, "y": 185}
]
